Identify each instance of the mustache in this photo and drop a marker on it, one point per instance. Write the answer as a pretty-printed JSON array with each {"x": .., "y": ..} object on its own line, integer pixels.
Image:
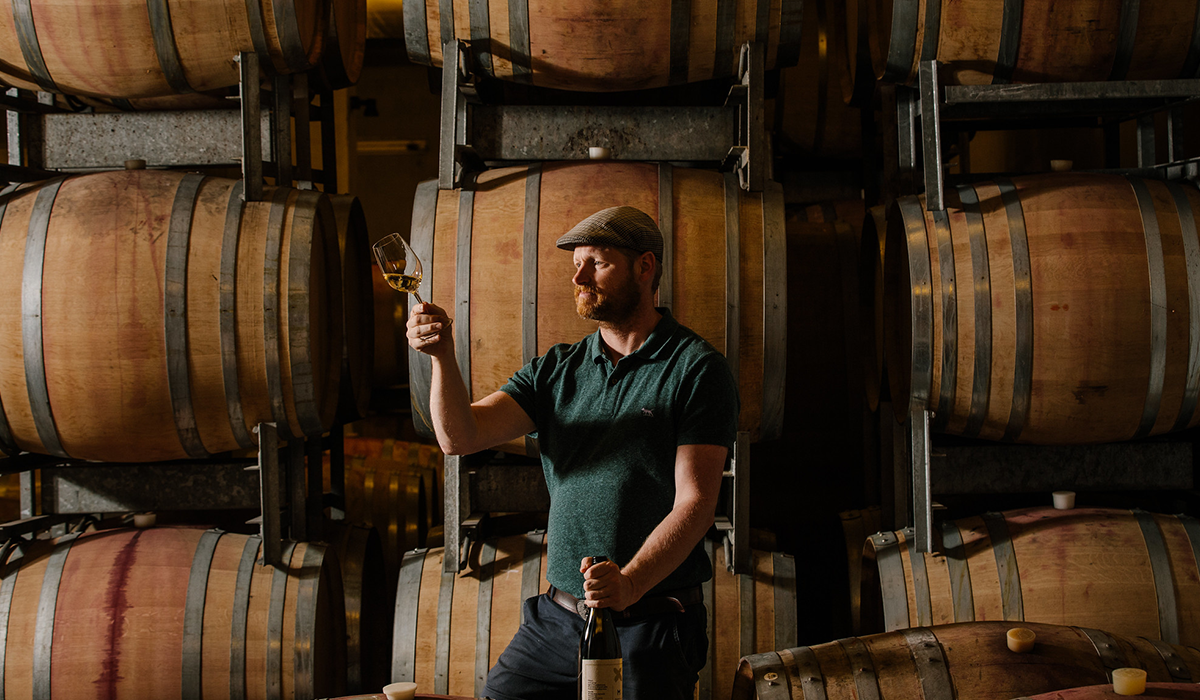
[{"x": 581, "y": 288}]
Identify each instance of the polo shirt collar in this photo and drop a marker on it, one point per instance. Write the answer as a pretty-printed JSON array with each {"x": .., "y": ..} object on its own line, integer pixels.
[{"x": 663, "y": 330}]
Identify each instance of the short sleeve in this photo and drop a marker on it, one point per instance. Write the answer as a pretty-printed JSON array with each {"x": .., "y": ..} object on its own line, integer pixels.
[
  {"x": 708, "y": 404},
  {"x": 522, "y": 387}
]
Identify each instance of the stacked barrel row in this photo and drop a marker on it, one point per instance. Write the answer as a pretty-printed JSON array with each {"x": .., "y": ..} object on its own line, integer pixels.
[
  {"x": 172, "y": 48},
  {"x": 158, "y": 315}
]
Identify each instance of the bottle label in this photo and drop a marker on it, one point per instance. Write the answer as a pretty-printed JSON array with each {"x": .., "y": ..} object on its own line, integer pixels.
[{"x": 600, "y": 679}]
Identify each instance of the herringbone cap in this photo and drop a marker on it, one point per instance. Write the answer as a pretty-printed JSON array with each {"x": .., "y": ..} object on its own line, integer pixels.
[{"x": 620, "y": 227}]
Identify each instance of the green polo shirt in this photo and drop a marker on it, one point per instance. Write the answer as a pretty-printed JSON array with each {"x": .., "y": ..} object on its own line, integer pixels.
[{"x": 608, "y": 436}]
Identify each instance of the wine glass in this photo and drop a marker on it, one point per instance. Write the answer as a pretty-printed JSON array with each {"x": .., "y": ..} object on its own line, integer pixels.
[{"x": 400, "y": 265}]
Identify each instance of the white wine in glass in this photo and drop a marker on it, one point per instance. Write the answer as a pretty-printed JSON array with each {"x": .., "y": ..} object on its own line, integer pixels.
[{"x": 400, "y": 265}]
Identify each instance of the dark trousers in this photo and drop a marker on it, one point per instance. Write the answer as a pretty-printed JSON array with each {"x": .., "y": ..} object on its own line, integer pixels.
[{"x": 663, "y": 654}]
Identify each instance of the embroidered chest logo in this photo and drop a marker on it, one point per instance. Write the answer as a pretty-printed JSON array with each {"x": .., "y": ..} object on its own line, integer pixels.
[{"x": 647, "y": 412}]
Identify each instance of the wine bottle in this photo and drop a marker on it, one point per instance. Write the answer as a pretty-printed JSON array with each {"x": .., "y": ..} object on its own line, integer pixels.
[{"x": 600, "y": 670}]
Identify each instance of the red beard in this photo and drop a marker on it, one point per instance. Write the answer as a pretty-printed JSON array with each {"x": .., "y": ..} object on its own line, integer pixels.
[{"x": 606, "y": 307}]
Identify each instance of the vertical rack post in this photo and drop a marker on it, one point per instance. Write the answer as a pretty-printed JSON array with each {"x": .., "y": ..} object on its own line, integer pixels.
[
  {"x": 931, "y": 135},
  {"x": 270, "y": 486},
  {"x": 281, "y": 128},
  {"x": 252, "y": 167}
]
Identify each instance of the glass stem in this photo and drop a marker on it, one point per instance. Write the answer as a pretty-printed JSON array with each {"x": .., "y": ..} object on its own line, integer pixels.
[{"x": 418, "y": 296}]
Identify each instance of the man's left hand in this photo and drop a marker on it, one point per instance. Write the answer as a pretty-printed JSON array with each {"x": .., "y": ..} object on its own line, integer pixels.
[{"x": 605, "y": 586}]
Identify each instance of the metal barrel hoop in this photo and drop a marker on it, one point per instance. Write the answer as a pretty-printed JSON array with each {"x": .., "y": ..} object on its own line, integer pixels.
[{"x": 175, "y": 315}]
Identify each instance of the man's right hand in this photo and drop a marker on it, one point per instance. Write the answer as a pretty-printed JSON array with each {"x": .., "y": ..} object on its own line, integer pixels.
[{"x": 429, "y": 330}]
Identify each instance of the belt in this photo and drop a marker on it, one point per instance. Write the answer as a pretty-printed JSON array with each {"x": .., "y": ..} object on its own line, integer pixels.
[{"x": 668, "y": 602}]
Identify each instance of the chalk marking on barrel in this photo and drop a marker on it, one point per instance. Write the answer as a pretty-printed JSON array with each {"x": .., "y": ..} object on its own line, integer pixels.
[{"x": 1158, "y": 307}]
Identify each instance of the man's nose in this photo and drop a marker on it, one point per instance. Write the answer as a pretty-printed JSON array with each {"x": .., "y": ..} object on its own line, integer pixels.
[{"x": 582, "y": 276}]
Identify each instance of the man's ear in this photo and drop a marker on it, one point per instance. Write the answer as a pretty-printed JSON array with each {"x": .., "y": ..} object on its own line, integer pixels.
[{"x": 646, "y": 264}]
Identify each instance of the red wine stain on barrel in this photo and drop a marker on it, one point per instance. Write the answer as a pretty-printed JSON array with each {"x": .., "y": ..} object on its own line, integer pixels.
[{"x": 116, "y": 603}]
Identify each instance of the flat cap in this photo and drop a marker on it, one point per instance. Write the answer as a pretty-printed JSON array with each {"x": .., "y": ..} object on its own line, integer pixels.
[{"x": 620, "y": 227}]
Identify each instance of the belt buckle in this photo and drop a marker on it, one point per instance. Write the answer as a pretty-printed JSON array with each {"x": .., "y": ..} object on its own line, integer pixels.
[{"x": 581, "y": 607}]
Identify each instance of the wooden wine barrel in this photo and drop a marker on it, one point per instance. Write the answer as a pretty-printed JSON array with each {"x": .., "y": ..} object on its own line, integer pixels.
[
  {"x": 450, "y": 629},
  {"x": 969, "y": 660},
  {"x": 394, "y": 487},
  {"x": 164, "y": 47},
  {"x": 1077, "y": 327},
  {"x": 165, "y": 612},
  {"x": 605, "y": 47},
  {"x": 1131, "y": 573},
  {"x": 368, "y": 603},
  {"x": 345, "y": 44},
  {"x": 857, "y": 526},
  {"x": 200, "y": 317},
  {"x": 811, "y": 110},
  {"x": 1154, "y": 691},
  {"x": 490, "y": 251},
  {"x": 358, "y": 327},
  {"x": 1002, "y": 41}
]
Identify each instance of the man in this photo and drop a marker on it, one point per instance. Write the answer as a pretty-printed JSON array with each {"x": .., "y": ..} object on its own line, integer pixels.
[{"x": 634, "y": 423}]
